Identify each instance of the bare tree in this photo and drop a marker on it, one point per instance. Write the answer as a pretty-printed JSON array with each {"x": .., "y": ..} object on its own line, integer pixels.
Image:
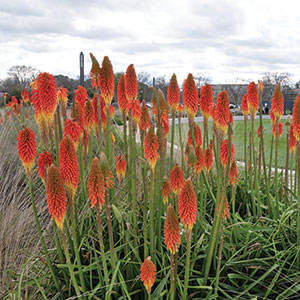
[
  {"x": 22, "y": 75},
  {"x": 285, "y": 78},
  {"x": 144, "y": 78},
  {"x": 201, "y": 79}
]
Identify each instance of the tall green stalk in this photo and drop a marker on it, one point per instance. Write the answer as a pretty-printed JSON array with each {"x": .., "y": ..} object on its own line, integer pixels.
[
  {"x": 276, "y": 169},
  {"x": 99, "y": 136},
  {"x": 173, "y": 278},
  {"x": 180, "y": 141},
  {"x": 188, "y": 235},
  {"x": 298, "y": 200},
  {"x": 245, "y": 152},
  {"x": 172, "y": 139},
  {"x": 110, "y": 232},
  {"x": 152, "y": 199}
]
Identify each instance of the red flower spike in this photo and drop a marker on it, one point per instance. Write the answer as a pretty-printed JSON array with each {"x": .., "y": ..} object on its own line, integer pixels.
[
  {"x": 233, "y": 174},
  {"x": 25, "y": 95},
  {"x": 200, "y": 160},
  {"x": 73, "y": 130},
  {"x": 62, "y": 94},
  {"x": 136, "y": 111},
  {"x": 277, "y": 103},
  {"x": 221, "y": 113},
  {"x": 209, "y": 157},
  {"x": 68, "y": 165},
  {"x": 296, "y": 118},
  {"x": 145, "y": 117},
  {"x": 173, "y": 93},
  {"x": 244, "y": 106},
  {"x": 280, "y": 129},
  {"x": 96, "y": 185},
  {"x": 107, "y": 78},
  {"x": 27, "y": 149},
  {"x": 197, "y": 135},
  {"x": 166, "y": 190},
  {"x": 148, "y": 274},
  {"x": 176, "y": 179},
  {"x": 292, "y": 141},
  {"x": 122, "y": 100},
  {"x": 252, "y": 98},
  {"x": 151, "y": 147},
  {"x": 190, "y": 97},
  {"x": 56, "y": 197},
  {"x": 258, "y": 132},
  {"x": 130, "y": 83},
  {"x": 172, "y": 230},
  {"x": 45, "y": 159},
  {"x": 95, "y": 72},
  {"x": 108, "y": 176},
  {"x": 120, "y": 167},
  {"x": 226, "y": 212},
  {"x": 187, "y": 205},
  {"x": 180, "y": 108},
  {"x": 206, "y": 101},
  {"x": 89, "y": 114},
  {"x": 224, "y": 153}
]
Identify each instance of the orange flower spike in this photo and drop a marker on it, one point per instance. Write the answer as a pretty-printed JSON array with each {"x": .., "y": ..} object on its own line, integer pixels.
[
  {"x": 145, "y": 117},
  {"x": 56, "y": 197},
  {"x": 296, "y": 118},
  {"x": 107, "y": 78},
  {"x": 89, "y": 114},
  {"x": 27, "y": 149},
  {"x": 292, "y": 141},
  {"x": 25, "y": 95},
  {"x": 148, "y": 274},
  {"x": 222, "y": 113},
  {"x": 180, "y": 108},
  {"x": 244, "y": 106},
  {"x": 45, "y": 159},
  {"x": 120, "y": 167},
  {"x": 258, "y": 131},
  {"x": 190, "y": 97},
  {"x": 173, "y": 95},
  {"x": 176, "y": 179},
  {"x": 197, "y": 135},
  {"x": 187, "y": 205},
  {"x": 107, "y": 174},
  {"x": 280, "y": 129},
  {"x": 260, "y": 86},
  {"x": 62, "y": 94},
  {"x": 96, "y": 184},
  {"x": 73, "y": 130},
  {"x": 68, "y": 165},
  {"x": 200, "y": 160},
  {"x": 95, "y": 72},
  {"x": 252, "y": 98},
  {"x": 80, "y": 96},
  {"x": 172, "y": 230},
  {"x": 130, "y": 83},
  {"x": 166, "y": 190},
  {"x": 277, "y": 103},
  {"x": 206, "y": 101},
  {"x": 233, "y": 174},
  {"x": 136, "y": 111},
  {"x": 151, "y": 147},
  {"x": 224, "y": 153},
  {"x": 209, "y": 157},
  {"x": 122, "y": 100},
  {"x": 226, "y": 212}
]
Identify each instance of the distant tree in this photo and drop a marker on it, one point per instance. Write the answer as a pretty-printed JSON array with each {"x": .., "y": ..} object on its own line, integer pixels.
[
  {"x": 272, "y": 78},
  {"x": 23, "y": 75},
  {"x": 201, "y": 79},
  {"x": 144, "y": 77}
]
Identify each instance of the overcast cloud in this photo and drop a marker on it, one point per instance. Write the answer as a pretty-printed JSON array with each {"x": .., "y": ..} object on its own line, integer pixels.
[{"x": 223, "y": 39}]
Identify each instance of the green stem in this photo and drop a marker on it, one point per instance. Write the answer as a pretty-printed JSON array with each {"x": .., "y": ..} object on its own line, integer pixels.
[
  {"x": 99, "y": 136},
  {"x": 187, "y": 264},
  {"x": 253, "y": 184},
  {"x": 173, "y": 279},
  {"x": 219, "y": 258},
  {"x": 152, "y": 199},
  {"x": 181, "y": 143},
  {"x": 172, "y": 139},
  {"x": 298, "y": 200},
  {"x": 276, "y": 169}
]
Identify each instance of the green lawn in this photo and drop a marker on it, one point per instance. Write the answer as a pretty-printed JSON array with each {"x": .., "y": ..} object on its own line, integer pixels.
[{"x": 238, "y": 129}]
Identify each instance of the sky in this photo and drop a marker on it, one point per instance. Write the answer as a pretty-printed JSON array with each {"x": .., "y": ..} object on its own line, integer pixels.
[{"x": 224, "y": 40}]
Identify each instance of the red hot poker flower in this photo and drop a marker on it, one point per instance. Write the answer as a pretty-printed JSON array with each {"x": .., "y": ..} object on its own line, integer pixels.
[
  {"x": 244, "y": 106},
  {"x": 180, "y": 108},
  {"x": 176, "y": 179},
  {"x": 209, "y": 157},
  {"x": 27, "y": 149},
  {"x": 130, "y": 83},
  {"x": 292, "y": 141},
  {"x": 95, "y": 72},
  {"x": 206, "y": 101},
  {"x": 89, "y": 114},
  {"x": 25, "y": 95},
  {"x": 197, "y": 135},
  {"x": 62, "y": 94},
  {"x": 151, "y": 147},
  {"x": 148, "y": 274},
  {"x": 136, "y": 111},
  {"x": 200, "y": 160},
  {"x": 56, "y": 197},
  {"x": 224, "y": 153},
  {"x": 173, "y": 93},
  {"x": 187, "y": 205},
  {"x": 172, "y": 230},
  {"x": 166, "y": 190},
  {"x": 45, "y": 159},
  {"x": 107, "y": 78},
  {"x": 122, "y": 100},
  {"x": 252, "y": 98},
  {"x": 120, "y": 167},
  {"x": 96, "y": 185},
  {"x": 277, "y": 103},
  {"x": 280, "y": 129},
  {"x": 73, "y": 130},
  {"x": 190, "y": 97},
  {"x": 233, "y": 174},
  {"x": 296, "y": 118},
  {"x": 145, "y": 117},
  {"x": 222, "y": 113},
  {"x": 226, "y": 212},
  {"x": 258, "y": 131},
  {"x": 108, "y": 176},
  {"x": 68, "y": 165}
]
